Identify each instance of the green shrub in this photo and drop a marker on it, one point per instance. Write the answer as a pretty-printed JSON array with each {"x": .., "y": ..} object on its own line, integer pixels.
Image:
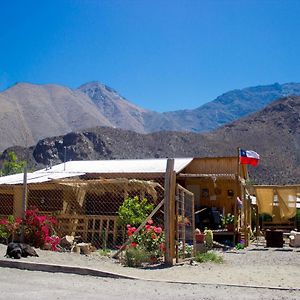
[
  {"x": 134, "y": 211},
  {"x": 209, "y": 257},
  {"x": 136, "y": 257}
]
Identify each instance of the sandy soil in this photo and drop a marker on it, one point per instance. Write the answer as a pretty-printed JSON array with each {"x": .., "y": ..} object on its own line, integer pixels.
[{"x": 256, "y": 265}]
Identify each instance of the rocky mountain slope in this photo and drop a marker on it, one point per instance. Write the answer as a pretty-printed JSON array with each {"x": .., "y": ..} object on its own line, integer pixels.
[
  {"x": 31, "y": 112},
  {"x": 231, "y": 106},
  {"x": 120, "y": 112},
  {"x": 273, "y": 132}
]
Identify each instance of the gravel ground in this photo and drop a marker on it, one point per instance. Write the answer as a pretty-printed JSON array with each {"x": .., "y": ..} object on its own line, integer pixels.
[
  {"x": 23, "y": 285},
  {"x": 256, "y": 266}
]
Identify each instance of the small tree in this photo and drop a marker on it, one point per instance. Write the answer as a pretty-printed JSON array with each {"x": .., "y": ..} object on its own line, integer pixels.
[{"x": 12, "y": 165}]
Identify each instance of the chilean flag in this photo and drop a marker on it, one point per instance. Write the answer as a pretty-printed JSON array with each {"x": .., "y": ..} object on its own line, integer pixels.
[{"x": 249, "y": 157}]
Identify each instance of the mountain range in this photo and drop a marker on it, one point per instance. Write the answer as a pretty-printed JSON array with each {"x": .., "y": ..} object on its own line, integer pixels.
[
  {"x": 30, "y": 112},
  {"x": 274, "y": 132}
]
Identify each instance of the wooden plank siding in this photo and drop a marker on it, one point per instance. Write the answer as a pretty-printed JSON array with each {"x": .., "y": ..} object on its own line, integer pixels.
[{"x": 215, "y": 165}]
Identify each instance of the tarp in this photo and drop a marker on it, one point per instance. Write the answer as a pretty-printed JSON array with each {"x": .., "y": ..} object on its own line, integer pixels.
[
  {"x": 278, "y": 202},
  {"x": 265, "y": 199},
  {"x": 287, "y": 202}
]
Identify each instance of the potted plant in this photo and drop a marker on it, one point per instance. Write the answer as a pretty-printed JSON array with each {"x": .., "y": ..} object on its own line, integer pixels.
[{"x": 228, "y": 221}]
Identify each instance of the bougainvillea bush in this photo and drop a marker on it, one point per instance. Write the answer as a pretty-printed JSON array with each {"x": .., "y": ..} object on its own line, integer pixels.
[
  {"x": 38, "y": 229},
  {"x": 149, "y": 244}
]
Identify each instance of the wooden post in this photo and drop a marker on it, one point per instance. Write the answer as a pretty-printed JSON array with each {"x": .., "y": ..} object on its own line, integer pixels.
[
  {"x": 236, "y": 195},
  {"x": 172, "y": 214},
  {"x": 246, "y": 221},
  {"x": 24, "y": 202},
  {"x": 177, "y": 225},
  {"x": 257, "y": 222},
  {"x": 193, "y": 226},
  {"x": 18, "y": 201},
  {"x": 167, "y": 212}
]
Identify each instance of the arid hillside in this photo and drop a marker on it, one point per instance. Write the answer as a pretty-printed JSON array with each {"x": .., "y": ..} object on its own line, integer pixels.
[
  {"x": 30, "y": 112},
  {"x": 273, "y": 132}
]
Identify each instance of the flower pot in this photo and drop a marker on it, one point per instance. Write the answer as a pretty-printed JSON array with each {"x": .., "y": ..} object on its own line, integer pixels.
[
  {"x": 153, "y": 260},
  {"x": 230, "y": 227},
  {"x": 199, "y": 237}
]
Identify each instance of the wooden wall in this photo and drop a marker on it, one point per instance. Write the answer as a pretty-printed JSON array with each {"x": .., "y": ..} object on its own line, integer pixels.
[
  {"x": 215, "y": 165},
  {"x": 218, "y": 195}
]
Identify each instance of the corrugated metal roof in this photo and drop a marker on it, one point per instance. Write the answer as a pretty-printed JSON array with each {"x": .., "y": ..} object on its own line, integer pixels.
[
  {"x": 121, "y": 166},
  {"x": 77, "y": 168},
  {"x": 36, "y": 177}
]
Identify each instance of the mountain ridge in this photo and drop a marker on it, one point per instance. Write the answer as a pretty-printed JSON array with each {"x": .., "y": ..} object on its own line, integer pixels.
[
  {"x": 274, "y": 132},
  {"x": 30, "y": 112}
]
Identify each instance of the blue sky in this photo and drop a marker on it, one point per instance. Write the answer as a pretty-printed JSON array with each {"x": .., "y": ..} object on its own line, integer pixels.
[{"x": 162, "y": 55}]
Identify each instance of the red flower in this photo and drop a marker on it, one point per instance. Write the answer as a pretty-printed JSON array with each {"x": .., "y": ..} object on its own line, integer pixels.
[
  {"x": 153, "y": 236},
  {"x": 162, "y": 247},
  {"x": 130, "y": 231},
  {"x": 133, "y": 244},
  {"x": 53, "y": 241},
  {"x": 157, "y": 230},
  {"x": 150, "y": 222},
  {"x": 3, "y": 222}
]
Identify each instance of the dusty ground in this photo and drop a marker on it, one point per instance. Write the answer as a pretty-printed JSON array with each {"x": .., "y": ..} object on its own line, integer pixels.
[
  {"x": 256, "y": 265},
  {"x": 31, "y": 285}
]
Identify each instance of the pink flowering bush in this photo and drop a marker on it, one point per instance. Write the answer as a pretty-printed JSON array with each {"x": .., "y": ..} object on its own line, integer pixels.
[
  {"x": 151, "y": 239},
  {"x": 38, "y": 229}
]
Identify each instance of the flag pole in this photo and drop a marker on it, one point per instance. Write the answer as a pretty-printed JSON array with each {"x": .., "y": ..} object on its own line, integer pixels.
[{"x": 238, "y": 164}]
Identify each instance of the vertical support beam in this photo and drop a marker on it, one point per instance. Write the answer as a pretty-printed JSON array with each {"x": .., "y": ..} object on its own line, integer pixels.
[
  {"x": 193, "y": 226},
  {"x": 67, "y": 199},
  {"x": 167, "y": 211},
  {"x": 245, "y": 225},
  {"x": 245, "y": 222},
  {"x": 177, "y": 224},
  {"x": 24, "y": 202},
  {"x": 18, "y": 197},
  {"x": 257, "y": 222},
  {"x": 172, "y": 214},
  {"x": 236, "y": 192}
]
